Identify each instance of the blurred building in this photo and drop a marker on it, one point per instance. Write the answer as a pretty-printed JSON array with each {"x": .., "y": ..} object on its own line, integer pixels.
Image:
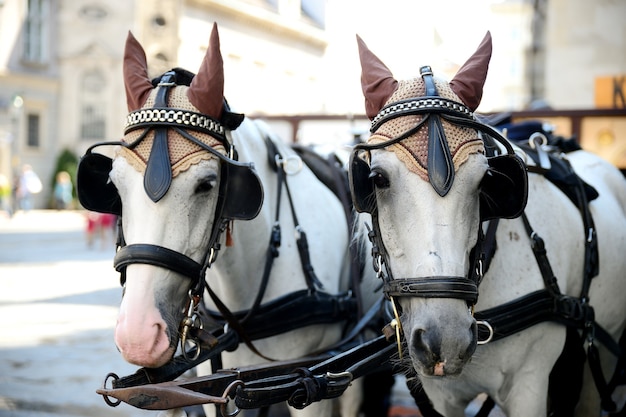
[
  {"x": 61, "y": 60},
  {"x": 61, "y": 65}
]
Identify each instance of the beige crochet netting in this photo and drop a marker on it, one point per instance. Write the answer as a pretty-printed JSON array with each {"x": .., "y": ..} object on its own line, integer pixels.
[
  {"x": 183, "y": 153},
  {"x": 413, "y": 151}
]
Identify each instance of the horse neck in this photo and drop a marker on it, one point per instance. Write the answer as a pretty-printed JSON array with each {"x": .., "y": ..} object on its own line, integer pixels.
[
  {"x": 370, "y": 284},
  {"x": 238, "y": 270}
]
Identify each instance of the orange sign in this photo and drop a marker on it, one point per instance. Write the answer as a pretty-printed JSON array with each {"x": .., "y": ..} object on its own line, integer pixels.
[{"x": 611, "y": 92}]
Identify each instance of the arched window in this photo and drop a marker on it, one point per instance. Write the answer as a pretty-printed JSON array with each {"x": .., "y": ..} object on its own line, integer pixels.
[{"x": 92, "y": 106}]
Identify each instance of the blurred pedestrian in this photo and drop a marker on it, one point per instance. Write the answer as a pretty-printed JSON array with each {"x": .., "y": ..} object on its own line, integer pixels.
[
  {"x": 29, "y": 184},
  {"x": 101, "y": 226},
  {"x": 63, "y": 191},
  {"x": 5, "y": 196}
]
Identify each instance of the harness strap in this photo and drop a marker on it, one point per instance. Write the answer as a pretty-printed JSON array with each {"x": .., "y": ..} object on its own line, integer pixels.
[
  {"x": 293, "y": 311},
  {"x": 550, "y": 304},
  {"x": 517, "y": 315},
  {"x": 214, "y": 384},
  {"x": 274, "y": 159},
  {"x": 300, "y": 381},
  {"x": 328, "y": 379},
  {"x": 339, "y": 175},
  {"x": 591, "y": 329},
  {"x": 433, "y": 287},
  {"x": 541, "y": 256},
  {"x": 155, "y": 255},
  {"x": 178, "y": 365}
]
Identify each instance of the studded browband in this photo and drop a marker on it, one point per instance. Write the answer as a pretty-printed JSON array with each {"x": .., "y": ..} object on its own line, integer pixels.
[
  {"x": 173, "y": 117},
  {"x": 419, "y": 105}
]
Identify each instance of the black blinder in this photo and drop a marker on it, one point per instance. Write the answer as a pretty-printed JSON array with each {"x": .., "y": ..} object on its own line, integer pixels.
[
  {"x": 243, "y": 191},
  {"x": 95, "y": 190},
  {"x": 97, "y": 193},
  {"x": 504, "y": 188},
  {"x": 361, "y": 186}
]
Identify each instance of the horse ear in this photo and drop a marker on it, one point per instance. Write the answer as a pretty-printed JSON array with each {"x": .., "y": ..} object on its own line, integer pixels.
[
  {"x": 377, "y": 81},
  {"x": 206, "y": 91},
  {"x": 469, "y": 81},
  {"x": 136, "y": 81}
]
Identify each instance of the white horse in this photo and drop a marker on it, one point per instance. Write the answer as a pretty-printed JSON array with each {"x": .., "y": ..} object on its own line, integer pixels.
[
  {"x": 426, "y": 177},
  {"x": 182, "y": 196}
]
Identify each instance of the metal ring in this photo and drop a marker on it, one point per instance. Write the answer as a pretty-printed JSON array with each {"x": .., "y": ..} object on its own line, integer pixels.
[
  {"x": 292, "y": 164},
  {"x": 537, "y": 139},
  {"x": 223, "y": 410},
  {"x": 187, "y": 354},
  {"x": 488, "y": 326},
  {"x": 104, "y": 386}
]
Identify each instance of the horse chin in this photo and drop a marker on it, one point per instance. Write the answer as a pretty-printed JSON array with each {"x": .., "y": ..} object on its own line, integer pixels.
[
  {"x": 149, "y": 347},
  {"x": 148, "y": 360}
]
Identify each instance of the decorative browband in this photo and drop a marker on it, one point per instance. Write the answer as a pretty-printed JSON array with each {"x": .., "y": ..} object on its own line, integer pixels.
[
  {"x": 419, "y": 105},
  {"x": 175, "y": 118}
]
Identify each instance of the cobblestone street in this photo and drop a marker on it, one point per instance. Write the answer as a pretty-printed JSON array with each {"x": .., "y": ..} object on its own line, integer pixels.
[{"x": 58, "y": 304}]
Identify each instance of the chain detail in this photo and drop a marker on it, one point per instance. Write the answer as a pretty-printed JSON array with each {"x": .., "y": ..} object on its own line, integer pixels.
[
  {"x": 184, "y": 118},
  {"x": 418, "y": 105}
]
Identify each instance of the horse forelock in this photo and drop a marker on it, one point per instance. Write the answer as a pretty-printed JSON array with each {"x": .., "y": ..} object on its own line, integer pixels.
[
  {"x": 183, "y": 153},
  {"x": 413, "y": 151}
]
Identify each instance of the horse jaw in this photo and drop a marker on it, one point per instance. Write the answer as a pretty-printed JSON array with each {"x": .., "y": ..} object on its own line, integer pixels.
[{"x": 427, "y": 235}]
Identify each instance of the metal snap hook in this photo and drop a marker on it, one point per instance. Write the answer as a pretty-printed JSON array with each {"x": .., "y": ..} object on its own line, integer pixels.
[{"x": 191, "y": 320}]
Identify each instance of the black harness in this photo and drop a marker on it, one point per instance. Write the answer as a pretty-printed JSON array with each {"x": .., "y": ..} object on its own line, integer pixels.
[
  {"x": 550, "y": 304},
  {"x": 327, "y": 375}
]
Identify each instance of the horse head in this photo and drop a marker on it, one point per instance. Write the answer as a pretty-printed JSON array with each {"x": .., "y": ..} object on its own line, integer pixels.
[
  {"x": 425, "y": 176},
  {"x": 172, "y": 181}
]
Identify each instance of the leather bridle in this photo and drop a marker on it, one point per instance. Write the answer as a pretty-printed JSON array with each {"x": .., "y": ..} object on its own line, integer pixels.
[
  {"x": 97, "y": 194},
  {"x": 432, "y": 108},
  {"x": 160, "y": 256}
]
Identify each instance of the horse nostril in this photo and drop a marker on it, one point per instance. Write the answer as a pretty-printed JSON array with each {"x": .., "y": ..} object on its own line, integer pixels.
[
  {"x": 426, "y": 343},
  {"x": 418, "y": 340}
]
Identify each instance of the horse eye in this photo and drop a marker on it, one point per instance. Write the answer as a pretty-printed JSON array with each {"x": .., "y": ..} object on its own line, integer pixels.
[
  {"x": 206, "y": 185},
  {"x": 379, "y": 179}
]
